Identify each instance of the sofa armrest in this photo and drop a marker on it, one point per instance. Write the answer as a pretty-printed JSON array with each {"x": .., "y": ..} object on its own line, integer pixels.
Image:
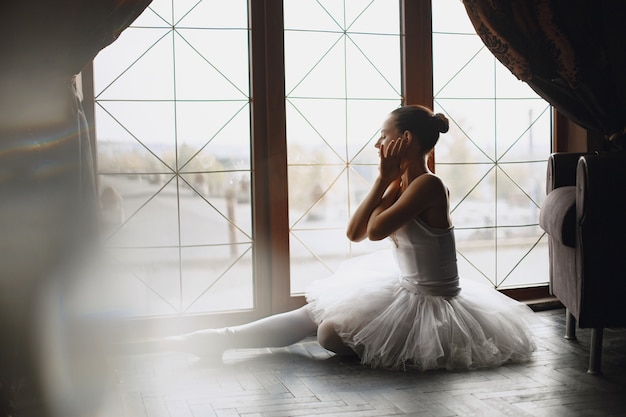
[
  {"x": 558, "y": 215},
  {"x": 601, "y": 240},
  {"x": 562, "y": 169}
]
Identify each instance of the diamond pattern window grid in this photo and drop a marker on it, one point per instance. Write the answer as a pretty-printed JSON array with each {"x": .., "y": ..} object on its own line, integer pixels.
[
  {"x": 493, "y": 158},
  {"x": 180, "y": 63},
  {"x": 342, "y": 78}
]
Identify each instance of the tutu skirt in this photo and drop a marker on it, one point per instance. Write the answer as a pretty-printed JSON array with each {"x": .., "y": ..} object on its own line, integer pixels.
[{"x": 391, "y": 327}]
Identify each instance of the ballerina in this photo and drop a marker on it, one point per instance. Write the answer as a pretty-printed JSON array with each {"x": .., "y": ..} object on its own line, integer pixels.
[{"x": 401, "y": 307}]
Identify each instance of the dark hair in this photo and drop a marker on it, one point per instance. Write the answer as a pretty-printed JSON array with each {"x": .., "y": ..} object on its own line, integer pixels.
[{"x": 422, "y": 123}]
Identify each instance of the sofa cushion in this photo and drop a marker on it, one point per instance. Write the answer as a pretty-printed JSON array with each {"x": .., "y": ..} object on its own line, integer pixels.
[{"x": 558, "y": 215}]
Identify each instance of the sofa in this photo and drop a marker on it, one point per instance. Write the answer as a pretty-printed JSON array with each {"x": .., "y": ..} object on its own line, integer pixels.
[{"x": 584, "y": 216}]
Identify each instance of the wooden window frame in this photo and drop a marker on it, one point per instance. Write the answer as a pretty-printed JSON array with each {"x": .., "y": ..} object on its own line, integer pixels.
[{"x": 269, "y": 149}]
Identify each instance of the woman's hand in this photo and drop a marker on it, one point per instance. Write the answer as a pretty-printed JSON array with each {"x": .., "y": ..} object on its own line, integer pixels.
[
  {"x": 384, "y": 191},
  {"x": 391, "y": 158}
]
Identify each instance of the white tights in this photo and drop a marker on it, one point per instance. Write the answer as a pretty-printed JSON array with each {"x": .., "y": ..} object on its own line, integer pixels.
[
  {"x": 285, "y": 329},
  {"x": 278, "y": 330}
]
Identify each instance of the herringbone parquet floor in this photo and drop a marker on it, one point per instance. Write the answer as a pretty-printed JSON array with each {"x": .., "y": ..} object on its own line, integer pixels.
[{"x": 305, "y": 380}]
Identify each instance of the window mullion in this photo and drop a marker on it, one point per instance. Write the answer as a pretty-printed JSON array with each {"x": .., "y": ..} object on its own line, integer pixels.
[
  {"x": 271, "y": 228},
  {"x": 417, "y": 54},
  {"x": 417, "y": 51}
]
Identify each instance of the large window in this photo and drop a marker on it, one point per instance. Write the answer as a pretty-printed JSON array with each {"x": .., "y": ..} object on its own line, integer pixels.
[
  {"x": 227, "y": 178},
  {"x": 494, "y": 157},
  {"x": 342, "y": 77},
  {"x": 173, "y": 140}
]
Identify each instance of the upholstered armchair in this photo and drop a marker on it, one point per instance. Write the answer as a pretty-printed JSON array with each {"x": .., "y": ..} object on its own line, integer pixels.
[{"x": 584, "y": 215}]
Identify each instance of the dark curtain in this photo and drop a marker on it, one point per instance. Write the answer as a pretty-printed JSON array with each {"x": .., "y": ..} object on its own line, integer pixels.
[
  {"x": 62, "y": 35},
  {"x": 47, "y": 179},
  {"x": 571, "y": 52}
]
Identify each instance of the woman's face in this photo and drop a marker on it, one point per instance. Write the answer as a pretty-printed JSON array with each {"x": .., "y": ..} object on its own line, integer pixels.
[{"x": 388, "y": 132}]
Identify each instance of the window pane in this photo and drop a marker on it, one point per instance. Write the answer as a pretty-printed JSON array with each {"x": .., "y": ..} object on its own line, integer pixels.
[
  {"x": 173, "y": 139},
  {"x": 493, "y": 158},
  {"x": 342, "y": 71}
]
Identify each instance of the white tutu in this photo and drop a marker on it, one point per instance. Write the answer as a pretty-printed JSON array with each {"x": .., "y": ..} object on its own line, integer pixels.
[{"x": 392, "y": 327}]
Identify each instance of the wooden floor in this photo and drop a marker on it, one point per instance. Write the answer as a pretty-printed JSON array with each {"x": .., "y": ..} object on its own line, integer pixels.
[{"x": 305, "y": 380}]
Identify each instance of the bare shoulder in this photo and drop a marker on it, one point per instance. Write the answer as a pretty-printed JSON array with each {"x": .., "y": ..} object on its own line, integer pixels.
[
  {"x": 430, "y": 183},
  {"x": 430, "y": 200},
  {"x": 432, "y": 178}
]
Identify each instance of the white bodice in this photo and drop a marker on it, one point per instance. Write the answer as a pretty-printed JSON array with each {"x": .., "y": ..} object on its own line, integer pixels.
[{"x": 427, "y": 259}]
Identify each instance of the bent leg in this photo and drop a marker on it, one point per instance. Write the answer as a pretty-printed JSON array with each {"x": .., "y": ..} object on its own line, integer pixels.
[{"x": 329, "y": 339}]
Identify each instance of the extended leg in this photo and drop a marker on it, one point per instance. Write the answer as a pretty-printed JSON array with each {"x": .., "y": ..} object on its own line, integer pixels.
[
  {"x": 274, "y": 331},
  {"x": 278, "y": 330}
]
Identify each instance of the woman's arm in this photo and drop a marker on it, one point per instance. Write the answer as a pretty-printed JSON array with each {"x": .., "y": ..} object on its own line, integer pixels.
[
  {"x": 426, "y": 196},
  {"x": 384, "y": 191},
  {"x": 382, "y": 194}
]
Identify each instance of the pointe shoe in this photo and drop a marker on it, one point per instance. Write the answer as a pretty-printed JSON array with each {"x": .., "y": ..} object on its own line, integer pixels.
[
  {"x": 204, "y": 343},
  {"x": 138, "y": 347}
]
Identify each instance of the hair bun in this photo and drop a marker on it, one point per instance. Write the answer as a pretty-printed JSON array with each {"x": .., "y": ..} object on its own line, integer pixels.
[{"x": 441, "y": 123}]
